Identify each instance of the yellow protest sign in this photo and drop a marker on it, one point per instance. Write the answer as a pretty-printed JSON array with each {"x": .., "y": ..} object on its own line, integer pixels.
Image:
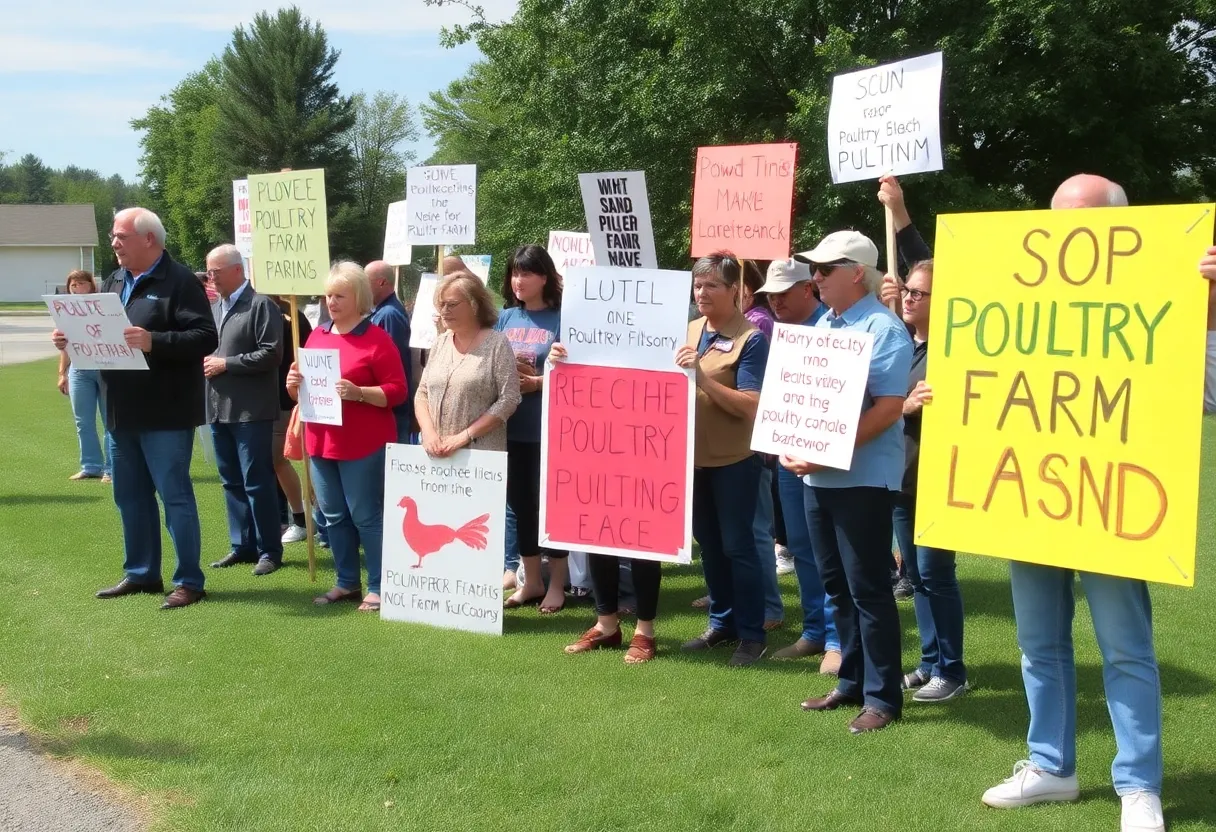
[
  {"x": 290, "y": 232},
  {"x": 1066, "y": 353}
]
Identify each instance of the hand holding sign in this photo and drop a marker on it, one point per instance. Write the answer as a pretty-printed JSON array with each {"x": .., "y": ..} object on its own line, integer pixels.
[{"x": 94, "y": 331}]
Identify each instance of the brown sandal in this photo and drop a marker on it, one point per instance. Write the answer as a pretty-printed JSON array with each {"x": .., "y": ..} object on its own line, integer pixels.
[
  {"x": 641, "y": 649},
  {"x": 337, "y": 595},
  {"x": 593, "y": 639}
]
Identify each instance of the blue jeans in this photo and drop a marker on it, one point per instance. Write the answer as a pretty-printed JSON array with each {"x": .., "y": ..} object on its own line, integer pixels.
[
  {"x": 1122, "y": 613},
  {"x": 244, "y": 455},
  {"x": 723, "y": 513},
  {"x": 510, "y": 561},
  {"x": 818, "y": 612},
  {"x": 350, "y": 494},
  {"x": 936, "y": 597},
  {"x": 146, "y": 464},
  {"x": 84, "y": 390},
  {"x": 851, "y": 535},
  {"x": 762, "y": 529}
]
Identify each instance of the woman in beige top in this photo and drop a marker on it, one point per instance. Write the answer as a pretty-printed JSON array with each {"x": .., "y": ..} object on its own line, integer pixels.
[{"x": 470, "y": 386}]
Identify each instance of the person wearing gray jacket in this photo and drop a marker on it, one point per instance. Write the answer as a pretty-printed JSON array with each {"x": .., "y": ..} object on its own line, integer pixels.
[{"x": 242, "y": 406}]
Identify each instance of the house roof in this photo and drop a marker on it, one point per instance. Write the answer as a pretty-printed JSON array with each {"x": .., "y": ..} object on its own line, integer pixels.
[{"x": 47, "y": 225}]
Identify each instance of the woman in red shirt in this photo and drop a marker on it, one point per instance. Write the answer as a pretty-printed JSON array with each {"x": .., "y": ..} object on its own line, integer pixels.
[{"x": 348, "y": 460}]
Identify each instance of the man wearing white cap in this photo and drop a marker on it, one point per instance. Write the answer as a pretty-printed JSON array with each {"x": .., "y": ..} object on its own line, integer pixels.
[
  {"x": 849, "y": 512},
  {"x": 789, "y": 285}
]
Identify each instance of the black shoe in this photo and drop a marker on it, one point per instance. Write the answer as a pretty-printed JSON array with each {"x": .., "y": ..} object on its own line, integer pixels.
[
  {"x": 129, "y": 587},
  {"x": 748, "y": 652},
  {"x": 265, "y": 567},
  {"x": 903, "y": 589},
  {"x": 708, "y": 640},
  {"x": 232, "y": 559}
]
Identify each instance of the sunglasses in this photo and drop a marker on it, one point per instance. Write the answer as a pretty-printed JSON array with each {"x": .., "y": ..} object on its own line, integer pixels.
[{"x": 825, "y": 269}]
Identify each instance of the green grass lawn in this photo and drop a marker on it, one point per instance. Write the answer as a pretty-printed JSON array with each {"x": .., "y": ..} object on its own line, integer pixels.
[{"x": 257, "y": 711}]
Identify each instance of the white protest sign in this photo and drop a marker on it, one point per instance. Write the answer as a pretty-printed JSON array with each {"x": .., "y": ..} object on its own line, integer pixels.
[
  {"x": 614, "y": 317},
  {"x": 93, "y": 325},
  {"x": 442, "y": 205},
  {"x": 319, "y": 374},
  {"x": 618, "y": 218},
  {"x": 885, "y": 120},
  {"x": 444, "y": 530},
  {"x": 422, "y": 323},
  {"x": 242, "y": 223},
  {"x": 814, "y": 385},
  {"x": 478, "y": 264},
  {"x": 397, "y": 247},
  {"x": 570, "y": 248}
]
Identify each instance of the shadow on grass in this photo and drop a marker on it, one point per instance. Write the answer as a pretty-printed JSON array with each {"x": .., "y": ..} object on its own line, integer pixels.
[
  {"x": 112, "y": 744},
  {"x": 48, "y": 499},
  {"x": 1190, "y": 796}
]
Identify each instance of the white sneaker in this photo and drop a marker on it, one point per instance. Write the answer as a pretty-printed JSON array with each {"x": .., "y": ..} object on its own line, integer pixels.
[
  {"x": 1030, "y": 784},
  {"x": 785, "y": 561},
  {"x": 1142, "y": 813},
  {"x": 295, "y": 534}
]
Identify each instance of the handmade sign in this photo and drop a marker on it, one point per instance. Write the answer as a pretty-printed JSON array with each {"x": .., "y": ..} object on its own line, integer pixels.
[
  {"x": 1066, "y": 357},
  {"x": 742, "y": 200},
  {"x": 290, "y": 232},
  {"x": 478, "y": 264},
  {"x": 398, "y": 251},
  {"x": 242, "y": 223},
  {"x": 618, "y": 218},
  {"x": 884, "y": 119},
  {"x": 444, "y": 524},
  {"x": 617, "y": 317},
  {"x": 93, "y": 325},
  {"x": 442, "y": 205},
  {"x": 570, "y": 248},
  {"x": 320, "y": 372},
  {"x": 814, "y": 385},
  {"x": 423, "y": 331}
]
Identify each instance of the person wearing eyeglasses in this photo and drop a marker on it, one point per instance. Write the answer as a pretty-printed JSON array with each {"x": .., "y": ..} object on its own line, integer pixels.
[{"x": 849, "y": 511}]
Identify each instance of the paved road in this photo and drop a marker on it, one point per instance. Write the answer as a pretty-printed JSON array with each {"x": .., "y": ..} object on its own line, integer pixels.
[{"x": 25, "y": 338}]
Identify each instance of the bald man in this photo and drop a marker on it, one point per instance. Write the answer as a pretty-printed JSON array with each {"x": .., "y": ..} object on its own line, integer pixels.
[
  {"x": 1043, "y": 601},
  {"x": 389, "y": 314},
  {"x": 452, "y": 263}
]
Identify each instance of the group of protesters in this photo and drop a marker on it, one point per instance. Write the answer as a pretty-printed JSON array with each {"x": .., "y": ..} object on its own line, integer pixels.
[{"x": 229, "y": 363}]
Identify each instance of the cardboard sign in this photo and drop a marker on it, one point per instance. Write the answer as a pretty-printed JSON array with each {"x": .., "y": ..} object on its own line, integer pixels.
[
  {"x": 884, "y": 119},
  {"x": 478, "y": 264},
  {"x": 616, "y": 317},
  {"x": 618, "y": 218},
  {"x": 93, "y": 325},
  {"x": 290, "y": 232},
  {"x": 814, "y": 386},
  {"x": 742, "y": 200},
  {"x": 398, "y": 251},
  {"x": 570, "y": 248},
  {"x": 242, "y": 223},
  {"x": 320, "y": 372},
  {"x": 444, "y": 530},
  {"x": 442, "y": 205},
  {"x": 1066, "y": 357},
  {"x": 617, "y": 451}
]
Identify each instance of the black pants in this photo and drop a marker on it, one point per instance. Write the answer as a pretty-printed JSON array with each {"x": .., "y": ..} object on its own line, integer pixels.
[
  {"x": 523, "y": 495},
  {"x": 778, "y": 514},
  {"x": 606, "y": 581}
]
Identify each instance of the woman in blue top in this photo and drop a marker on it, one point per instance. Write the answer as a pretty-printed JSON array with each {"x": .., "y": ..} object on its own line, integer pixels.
[{"x": 531, "y": 319}]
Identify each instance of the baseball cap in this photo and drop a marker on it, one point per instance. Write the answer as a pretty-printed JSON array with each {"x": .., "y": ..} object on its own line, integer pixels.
[
  {"x": 784, "y": 275},
  {"x": 844, "y": 245}
]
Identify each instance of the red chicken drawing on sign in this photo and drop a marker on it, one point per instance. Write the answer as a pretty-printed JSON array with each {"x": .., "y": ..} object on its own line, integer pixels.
[{"x": 423, "y": 539}]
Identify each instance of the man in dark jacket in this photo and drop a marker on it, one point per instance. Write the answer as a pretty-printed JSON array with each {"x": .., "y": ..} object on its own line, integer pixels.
[
  {"x": 242, "y": 406},
  {"x": 152, "y": 414}
]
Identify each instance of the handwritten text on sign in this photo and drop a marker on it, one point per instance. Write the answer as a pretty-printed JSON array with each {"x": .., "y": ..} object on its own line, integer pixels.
[
  {"x": 625, "y": 317},
  {"x": 320, "y": 373},
  {"x": 93, "y": 325},
  {"x": 885, "y": 120},
  {"x": 618, "y": 218},
  {"x": 1066, "y": 421},
  {"x": 242, "y": 223},
  {"x": 290, "y": 232},
  {"x": 814, "y": 386},
  {"x": 443, "y": 538},
  {"x": 442, "y": 205},
  {"x": 617, "y": 462},
  {"x": 742, "y": 200},
  {"x": 570, "y": 248}
]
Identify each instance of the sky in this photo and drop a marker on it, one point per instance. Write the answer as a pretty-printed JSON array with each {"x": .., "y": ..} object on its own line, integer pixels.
[{"x": 73, "y": 73}]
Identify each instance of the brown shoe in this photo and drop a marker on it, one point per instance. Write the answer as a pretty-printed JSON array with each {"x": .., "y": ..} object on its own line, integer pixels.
[
  {"x": 831, "y": 702},
  {"x": 182, "y": 596},
  {"x": 641, "y": 649},
  {"x": 593, "y": 639},
  {"x": 830, "y": 666},
  {"x": 871, "y": 719},
  {"x": 800, "y": 649}
]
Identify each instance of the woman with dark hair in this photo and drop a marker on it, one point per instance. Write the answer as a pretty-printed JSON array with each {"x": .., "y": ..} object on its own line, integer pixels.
[
  {"x": 530, "y": 320},
  {"x": 83, "y": 388}
]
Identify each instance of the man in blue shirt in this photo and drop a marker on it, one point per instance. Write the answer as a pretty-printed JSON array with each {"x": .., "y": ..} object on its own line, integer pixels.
[
  {"x": 389, "y": 314},
  {"x": 849, "y": 512}
]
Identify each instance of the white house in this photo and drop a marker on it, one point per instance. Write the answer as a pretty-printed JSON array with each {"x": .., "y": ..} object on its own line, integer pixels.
[{"x": 40, "y": 244}]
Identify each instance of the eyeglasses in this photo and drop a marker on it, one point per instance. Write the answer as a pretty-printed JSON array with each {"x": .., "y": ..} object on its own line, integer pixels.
[
  {"x": 449, "y": 305},
  {"x": 217, "y": 270},
  {"x": 914, "y": 294},
  {"x": 825, "y": 269},
  {"x": 119, "y": 237}
]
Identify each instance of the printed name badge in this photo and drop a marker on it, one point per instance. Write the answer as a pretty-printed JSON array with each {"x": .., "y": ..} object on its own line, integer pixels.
[{"x": 723, "y": 346}]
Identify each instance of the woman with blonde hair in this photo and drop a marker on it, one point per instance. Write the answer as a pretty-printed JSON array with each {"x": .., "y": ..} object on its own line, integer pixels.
[
  {"x": 348, "y": 460},
  {"x": 83, "y": 388}
]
